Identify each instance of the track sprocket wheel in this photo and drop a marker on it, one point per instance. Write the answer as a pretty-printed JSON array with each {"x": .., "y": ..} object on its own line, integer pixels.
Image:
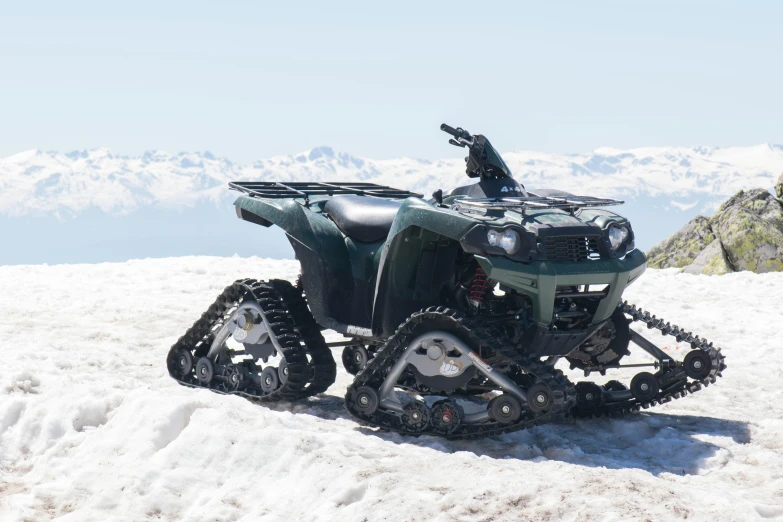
[
  {"x": 231, "y": 377},
  {"x": 446, "y": 416},
  {"x": 606, "y": 347},
  {"x": 415, "y": 417}
]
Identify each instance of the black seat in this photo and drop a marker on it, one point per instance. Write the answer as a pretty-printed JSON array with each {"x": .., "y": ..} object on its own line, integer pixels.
[{"x": 363, "y": 218}]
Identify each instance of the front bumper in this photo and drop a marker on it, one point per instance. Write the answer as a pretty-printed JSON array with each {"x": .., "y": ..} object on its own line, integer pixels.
[{"x": 539, "y": 280}]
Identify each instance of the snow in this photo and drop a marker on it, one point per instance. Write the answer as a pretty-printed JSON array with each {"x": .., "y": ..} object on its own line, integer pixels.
[
  {"x": 92, "y": 427},
  {"x": 98, "y": 206},
  {"x": 67, "y": 184},
  {"x": 683, "y": 206}
]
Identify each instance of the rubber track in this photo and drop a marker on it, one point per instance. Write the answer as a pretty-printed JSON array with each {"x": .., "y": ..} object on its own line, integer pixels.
[
  {"x": 323, "y": 363},
  {"x": 285, "y": 310},
  {"x": 488, "y": 337},
  {"x": 679, "y": 387}
]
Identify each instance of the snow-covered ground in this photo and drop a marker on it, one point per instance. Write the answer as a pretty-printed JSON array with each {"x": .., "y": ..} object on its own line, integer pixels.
[{"x": 92, "y": 427}]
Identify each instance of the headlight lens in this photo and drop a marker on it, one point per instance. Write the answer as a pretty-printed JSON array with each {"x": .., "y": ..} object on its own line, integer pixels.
[
  {"x": 617, "y": 236},
  {"x": 492, "y": 237},
  {"x": 508, "y": 240}
]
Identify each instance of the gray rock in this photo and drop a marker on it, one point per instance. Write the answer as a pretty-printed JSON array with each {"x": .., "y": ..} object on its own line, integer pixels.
[
  {"x": 711, "y": 261},
  {"x": 760, "y": 202},
  {"x": 745, "y": 234},
  {"x": 750, "y": 241},
  {"x": 682, "y": 248}
]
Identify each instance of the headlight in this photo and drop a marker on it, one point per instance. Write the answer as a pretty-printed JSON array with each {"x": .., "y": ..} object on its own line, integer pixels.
[
  {"x": 617, "y": 236},
  {"x": 508, "y": 240},
  {"x": 492, "y": 237}
]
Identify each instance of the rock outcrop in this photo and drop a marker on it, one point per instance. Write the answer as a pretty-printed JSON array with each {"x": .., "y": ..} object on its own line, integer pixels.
[
  {"x": 681, "y": 249},
  {"x": 746, "y": 233}
]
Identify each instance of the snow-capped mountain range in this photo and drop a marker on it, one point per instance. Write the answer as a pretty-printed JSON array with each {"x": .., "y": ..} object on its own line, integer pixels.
[
  {"x": 36, "y": 182},
  {"x": 668, "y": 185}
]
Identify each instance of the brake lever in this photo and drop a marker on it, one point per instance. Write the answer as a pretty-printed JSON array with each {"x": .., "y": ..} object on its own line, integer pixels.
[{"x": 457, "y": 143}]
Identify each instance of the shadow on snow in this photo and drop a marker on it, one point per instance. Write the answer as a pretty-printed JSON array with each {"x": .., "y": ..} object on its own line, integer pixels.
[{"x": 655, "y": 442}]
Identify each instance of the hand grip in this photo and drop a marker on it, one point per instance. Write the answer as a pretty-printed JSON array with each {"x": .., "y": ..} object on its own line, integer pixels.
[{"x": 450, "y": 130}]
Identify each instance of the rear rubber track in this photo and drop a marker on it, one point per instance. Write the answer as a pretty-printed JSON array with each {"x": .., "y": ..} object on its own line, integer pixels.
[{"x": 291, "y": 323}]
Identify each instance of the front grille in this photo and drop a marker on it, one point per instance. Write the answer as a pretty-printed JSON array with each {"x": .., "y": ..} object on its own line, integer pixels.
[{"x": 571, "y": 248}]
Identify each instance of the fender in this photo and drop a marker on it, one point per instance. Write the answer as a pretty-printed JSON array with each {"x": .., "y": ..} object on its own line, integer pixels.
[
  {"x": 421, "y": 247},
  {"x": 319, "y": 247},
  {"x": 311, "y": 229}
]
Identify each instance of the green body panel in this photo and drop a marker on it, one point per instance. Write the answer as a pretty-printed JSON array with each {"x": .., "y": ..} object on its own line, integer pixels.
[
  {"x": 364, "y": 258},
  {"x": 421, "y": 229},
  {"x": 417, "y": 213},
  {"x": 600, "y": 217},
  {"x": 540, "y": 279},
  {"x": 418, "y": 228},
  {"x": 308, "y": 226}
]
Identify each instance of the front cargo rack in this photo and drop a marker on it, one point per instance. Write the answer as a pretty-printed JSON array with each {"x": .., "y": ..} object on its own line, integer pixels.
[
  {"x": 570, "y": 203},
  {"x": 307, "y": 189}
]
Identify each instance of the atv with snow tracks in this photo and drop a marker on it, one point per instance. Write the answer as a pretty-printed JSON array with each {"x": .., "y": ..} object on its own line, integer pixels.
[{"x": 456, "y": 310}]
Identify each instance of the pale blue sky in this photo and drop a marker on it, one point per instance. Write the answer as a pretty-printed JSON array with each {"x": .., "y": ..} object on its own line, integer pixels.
[{"x": 248, "y": 80}]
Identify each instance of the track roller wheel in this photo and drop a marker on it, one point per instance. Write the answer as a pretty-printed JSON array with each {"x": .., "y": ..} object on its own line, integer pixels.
[
  {"x": 415, "y": 417},
  {"x": 366, "y": 400},
  {"x": 539, "y": 398},
  {"x": 446, "y": 416},
  {"x": 644, "y": 386},
  {"x": 269, "y": 379},
  {"x": 505, "y": 409},
  {"x": 184, "y": 362},
  {"x": 282, "y": 371},
  {"x": 355, "y": 358},
  {"x": 205, "y": 370},
  {"x": 697, "y": 364}
]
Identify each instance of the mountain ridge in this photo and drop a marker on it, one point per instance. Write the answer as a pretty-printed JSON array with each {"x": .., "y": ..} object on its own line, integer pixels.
[{"x": 37, "y": 182}]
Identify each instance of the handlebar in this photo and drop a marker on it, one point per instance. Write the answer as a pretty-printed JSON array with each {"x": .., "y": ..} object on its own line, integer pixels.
[{"x": 457, "y": 133}]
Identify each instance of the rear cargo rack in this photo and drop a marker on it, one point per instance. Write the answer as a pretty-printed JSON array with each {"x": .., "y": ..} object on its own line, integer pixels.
[
  {"x": 307, "y": 189},
  {"x": 571, "y": 203}
]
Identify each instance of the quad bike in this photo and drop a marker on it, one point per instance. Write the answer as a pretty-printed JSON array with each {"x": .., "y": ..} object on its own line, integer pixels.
[{"x": 456, "y": 309}]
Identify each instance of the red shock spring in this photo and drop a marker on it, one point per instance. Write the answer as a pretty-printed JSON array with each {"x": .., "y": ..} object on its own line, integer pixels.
[{"x": 478, "y": 289}]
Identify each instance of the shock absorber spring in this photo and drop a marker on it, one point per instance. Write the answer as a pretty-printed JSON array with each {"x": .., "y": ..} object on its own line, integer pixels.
[{"x": 478, "y": 289}]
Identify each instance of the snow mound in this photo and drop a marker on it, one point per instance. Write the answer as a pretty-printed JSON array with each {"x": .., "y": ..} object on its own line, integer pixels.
[{"x": 92, "y": 427}]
